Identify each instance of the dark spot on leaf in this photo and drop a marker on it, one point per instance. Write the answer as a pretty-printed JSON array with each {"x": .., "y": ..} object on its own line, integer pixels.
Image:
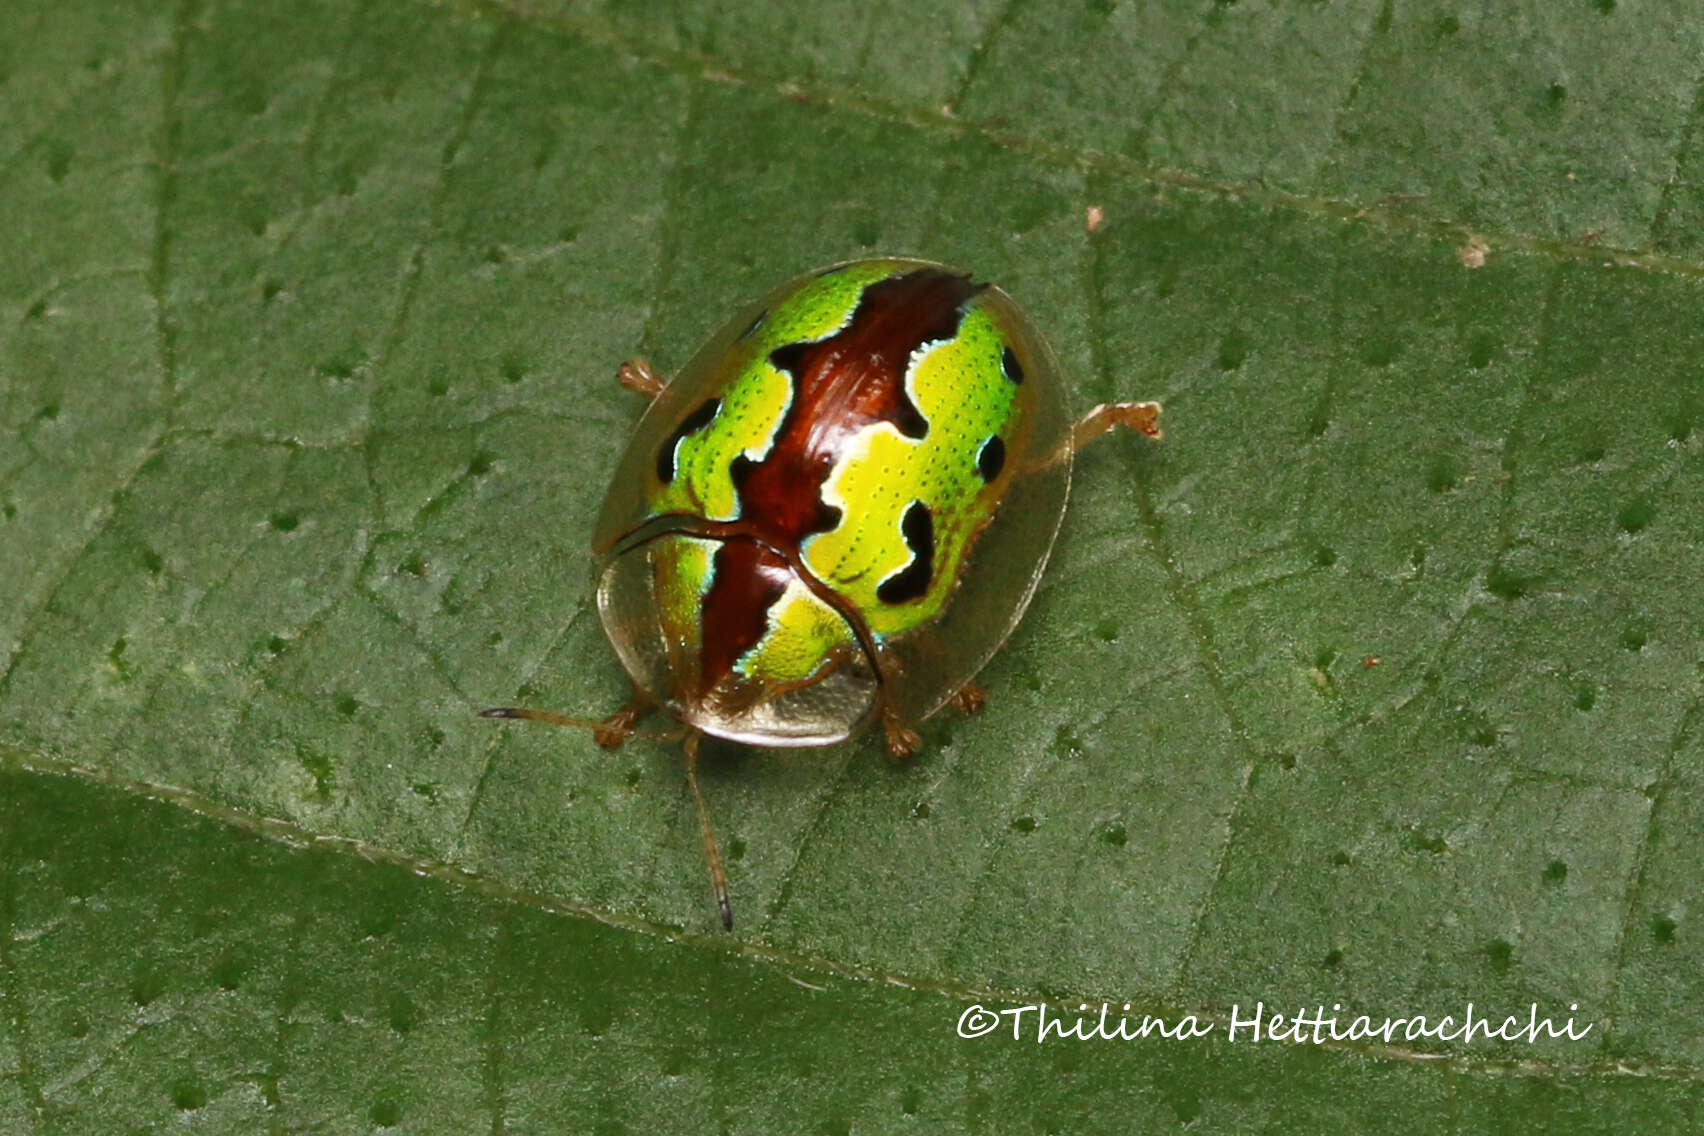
[
  {"x": 1555, "y": 872},
  {"x": 285, "y": 522},
  {"x": 1507, "y": 584},
  {"x": 1557, "y": 95},
  {"x": 1448, "y": 26},
  {"x": 1441, "y": 475},
  {"x": 736, "y": 849},
  {"x": 1604, "y": 6},
  {"x": 1023, "y": 824},
  {"x": 1233, "y": 349},
  {"x": 1114, "y": 834},
  {"x": 48, "y": 413},
  {"x": 911, "y": 1100},
  {"x": 347, "y": 705},
  {"x": 402, "y": 1014},
  {"x": 188, "y": 1094},
  {"x": 513, "y": 369},
  {"x": 386, "y": 1112},
  {"x": 1381, "y": 353},
  {"x": 920, "y": 810},
  {"x": 1332, "y": 960},
  {"x": 569, "y": 234},
  {"x": 1663, "y": 929},
  {"x": 152, "y": 561},
  {"x": 1585, "y": 698},
  {"x": 269, "y": 290},
  {"x": 1500, "y": 953},
  {"x": 1340, "y": 859},
  {"x": 1636, "y": 515},
  {"x": 1426, "y": 842},
  {"x": 36, "y": 310},
  {"x": 1107, "y": 630},
  {"x": 1325, "y": 557},
  {"x": 493, "y": 639},
  {"x": 1481, "y": 349},
  {"x": 319, "y": 767},
  {"x": 115, "y": 659},
  {"x": 414, "y": 565},
  {"x": 146, "y": 985},
  {"x": 1634, "y": 638},
  {"x": 228, "y": 972},
  {"x": 58, "y": 161},
  {"x": 480, "y": 465}
]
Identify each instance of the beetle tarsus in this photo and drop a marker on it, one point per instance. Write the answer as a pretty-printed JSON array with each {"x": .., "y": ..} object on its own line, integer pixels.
[
  {"x": 636, "y": 375},
  {"x": 618, "y": 727},
  {"x": 1142, "y": 417},
  {"x": 970, "y": 699},
  {"x": 902, "y": 740}
]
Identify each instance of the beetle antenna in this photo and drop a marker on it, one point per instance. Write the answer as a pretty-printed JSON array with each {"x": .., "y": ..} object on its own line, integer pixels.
[
  {"x": 718, "y": 874},
  {"x": 553, "y": 718}
]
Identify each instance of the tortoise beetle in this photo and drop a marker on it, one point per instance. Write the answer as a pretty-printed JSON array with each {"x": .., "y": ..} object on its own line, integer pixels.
[{"x": 836, "y": 512}]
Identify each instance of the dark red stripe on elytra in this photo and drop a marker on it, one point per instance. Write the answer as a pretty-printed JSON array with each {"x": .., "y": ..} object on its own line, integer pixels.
[
  {"x": 842, "y": 385},
  {"x": 852, "y": 380},
  {"x": 748, "y": 580}
]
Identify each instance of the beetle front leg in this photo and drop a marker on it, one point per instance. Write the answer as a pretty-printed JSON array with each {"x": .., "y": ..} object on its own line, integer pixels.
[{"x": 636, "y": 375}]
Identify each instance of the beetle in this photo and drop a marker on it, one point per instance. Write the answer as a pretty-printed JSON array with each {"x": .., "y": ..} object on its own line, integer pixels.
[{"x": 835, "y": 514}]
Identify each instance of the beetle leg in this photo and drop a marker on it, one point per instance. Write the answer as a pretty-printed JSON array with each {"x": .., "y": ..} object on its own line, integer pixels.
[
  {"x": 718, "y": 874},
  {"x": 636, "y": 375},
  {"x": 970, "y": 699},
  {"x": 616, "y": 728},
  {"x": 1142, "y": 417},
  {"x": 609, "y": 732},
  {"x": 902, "y": 741}
]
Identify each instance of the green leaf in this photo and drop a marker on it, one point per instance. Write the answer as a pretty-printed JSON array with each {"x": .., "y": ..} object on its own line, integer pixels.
[{"x": 1375, "y": 685}]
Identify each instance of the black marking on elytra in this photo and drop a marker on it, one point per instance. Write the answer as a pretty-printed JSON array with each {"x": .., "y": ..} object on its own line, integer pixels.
[
  {"x": 691, "y": 424},
  {"x": 907, "y": 418},
  {"x": 755, "y": 323},
  {"x": 991, "y": 458},
  {"x": 912, "y": 581},
  {"x": 1009, "y": 364}
]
